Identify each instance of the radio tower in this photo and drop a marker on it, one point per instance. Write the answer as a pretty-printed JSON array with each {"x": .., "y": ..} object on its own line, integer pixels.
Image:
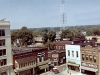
[{"x": 63, "y": 14}]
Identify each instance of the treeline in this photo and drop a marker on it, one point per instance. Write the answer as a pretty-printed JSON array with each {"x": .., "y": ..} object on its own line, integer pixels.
[{"x": 26, "y": 35}]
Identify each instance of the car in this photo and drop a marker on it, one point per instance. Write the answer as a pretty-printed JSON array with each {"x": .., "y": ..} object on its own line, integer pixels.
[
  {"x": 55, "y": 70},
  {"x": 50, "y": 67}
]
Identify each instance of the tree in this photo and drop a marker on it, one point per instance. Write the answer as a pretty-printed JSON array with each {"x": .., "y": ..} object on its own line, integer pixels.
[
  {"x": 51, "y": 36},
  {"x": 26, "y": 36},
  {"x": 78, "y": 34},
  {"x": 66, "y": 34},
  {"x": 44, "y": 37},
  {"x": 14, "y": 35},
  {"x": 96, "y": 31}
]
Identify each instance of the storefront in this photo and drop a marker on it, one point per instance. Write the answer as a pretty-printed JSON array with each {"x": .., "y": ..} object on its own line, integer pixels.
[
  {"x": 73, "y": 66},
  {"x": 24, "y": 72},
  {"x": 88, "y": 70},
  {"x": 6, "y": 70},
  {"x": 42, "y": 67},
  {"x": 3, "y": 73}
]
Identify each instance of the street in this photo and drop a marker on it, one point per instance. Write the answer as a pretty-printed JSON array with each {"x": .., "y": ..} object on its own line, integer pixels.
[{"x": 63, "y": 71}]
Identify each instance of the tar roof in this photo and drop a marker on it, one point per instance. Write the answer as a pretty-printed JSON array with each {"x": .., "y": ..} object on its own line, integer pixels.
[{"x": 19, "y": 50}]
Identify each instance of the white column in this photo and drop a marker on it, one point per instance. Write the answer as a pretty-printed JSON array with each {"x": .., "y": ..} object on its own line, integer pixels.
[
  {"x": 33, "y": 70},
  {"x": 80, "y": 69},
  {"x": 12, "y": 71},
  {"x": 8, "y": 72}
]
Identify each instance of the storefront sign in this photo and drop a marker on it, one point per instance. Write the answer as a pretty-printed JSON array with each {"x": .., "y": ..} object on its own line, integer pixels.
[
  {"x": 71, "y": 62},
  {"x": 54, "y": 55},
  {"x": 89, "y": 65}
]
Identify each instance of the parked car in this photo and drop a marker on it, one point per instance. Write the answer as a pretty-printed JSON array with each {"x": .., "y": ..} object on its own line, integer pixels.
[
  {"x": 50, "y": 67},
  {"x": 55, "y": 70}
]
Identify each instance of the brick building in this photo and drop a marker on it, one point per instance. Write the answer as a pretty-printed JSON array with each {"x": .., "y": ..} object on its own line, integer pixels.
[
  {"x": 90, "y": 60},
  {"x": 57, "y": 54},
  {"x": 30, "y": 60}
]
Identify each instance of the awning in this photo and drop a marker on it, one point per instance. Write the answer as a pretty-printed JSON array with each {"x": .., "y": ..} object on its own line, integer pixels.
[
  {"x": 24, "y": 60},
  {"x": 43, "y": 62},
  {"x": 73, "y": 64},
  {"x": 43, "y": 66},
  {"x": 89, "y": 69}
]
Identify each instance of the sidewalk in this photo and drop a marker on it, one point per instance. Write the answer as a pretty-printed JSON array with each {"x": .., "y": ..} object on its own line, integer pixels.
[
  {"x": 72, "y": 72},
  {"x": 64, "y": 72}
]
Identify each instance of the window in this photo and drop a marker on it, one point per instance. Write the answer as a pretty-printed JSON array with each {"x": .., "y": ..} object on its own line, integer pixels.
[
  {"x": 90, "y": 57},
  {"x": 63, "y": 47},
  {"x": 38, "y": 60},
  {"x": 3, "y": 62},
  {"x": 2, "y": 42},
  {"x": 76, "y": 53},
  {"x": 86, "y": 57},
  {"x": 42, "y": 58},
  {"x": 2, "y": 52},
  {"x": 59, "y": 47},
  {"x": 83, "y": 56},
  {"x": 2, "y": 32},
  {"x": 68, "y": 53},
  {"x": 94, "y": 58},
  {"x": 72, "y": 53}
]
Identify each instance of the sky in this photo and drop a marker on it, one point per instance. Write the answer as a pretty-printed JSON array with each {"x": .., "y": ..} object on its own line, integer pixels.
[{"x": 48, "y": 13}]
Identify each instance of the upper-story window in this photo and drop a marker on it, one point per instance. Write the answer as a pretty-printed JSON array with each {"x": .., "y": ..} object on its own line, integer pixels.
[
  {"x": 90, "y": 57},
  {"x": 59, "y": 47},
  {"x": 2, "y": 32},
  {"x": 68, "y": 52},
  {"x": 76, "y": 53},
  {"x": 63, "y": 47},
  {"x": 2, "y": 42},
  {"x": 94, "y": 58},
  {"x": 72, "y": 53},
  {"x": 3, "y": 62},
  {"x": 86, "y": 57},
  {"x": 2, "y": 52},
  {"x": 83, "y": 57}
]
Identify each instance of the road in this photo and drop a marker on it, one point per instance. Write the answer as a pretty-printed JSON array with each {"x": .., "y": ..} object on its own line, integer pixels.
[{"x": 63, "y": 71}]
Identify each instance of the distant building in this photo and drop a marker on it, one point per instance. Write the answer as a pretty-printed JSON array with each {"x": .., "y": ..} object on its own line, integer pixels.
[
  {"x": 58, "y": 38},
  {"x": 93, "y": 37},
  {"x": 73, "y": 60},
  {"x": 6, "y": 62}
]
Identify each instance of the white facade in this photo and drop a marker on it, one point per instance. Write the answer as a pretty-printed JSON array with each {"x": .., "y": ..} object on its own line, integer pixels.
[
  {"x": 73, "y": 54},
  {"x": 6, "y": 61}
]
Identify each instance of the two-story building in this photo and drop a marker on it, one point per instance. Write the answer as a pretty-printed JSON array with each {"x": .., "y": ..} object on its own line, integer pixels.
[
  {"x": 6, "y": 62},
  {"x": 57, "y": 54},
  {"x": 30, "y": 60},
  {"x": 90, "y": 60},
  {"x": 73, "y": 60}
]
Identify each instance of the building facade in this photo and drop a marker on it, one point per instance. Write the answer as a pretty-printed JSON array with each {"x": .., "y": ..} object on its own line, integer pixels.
[
  {"x": 90, "y": 60},
  {"x": 56, "y": 57},
  {"x": 30, "y": 60},
  {"x": 57, "y": 54},
  {"x": 6, "y": 62},
  {"x": 73, "y": 60}
]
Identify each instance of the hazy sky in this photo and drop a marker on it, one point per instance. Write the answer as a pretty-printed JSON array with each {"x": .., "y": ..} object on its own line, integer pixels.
[{"x": 47, "y": 13}]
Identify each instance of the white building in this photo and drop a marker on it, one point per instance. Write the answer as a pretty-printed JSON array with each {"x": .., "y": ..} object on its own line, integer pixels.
[
  {"x": 6, "y": 67},
  {"x": 73, "y": 60}
]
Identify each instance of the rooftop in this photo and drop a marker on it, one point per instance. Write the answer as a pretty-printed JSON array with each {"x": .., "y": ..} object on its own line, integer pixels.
[
  {"x": 19, "y": 50},
  {"x": 4, "y": 22}
]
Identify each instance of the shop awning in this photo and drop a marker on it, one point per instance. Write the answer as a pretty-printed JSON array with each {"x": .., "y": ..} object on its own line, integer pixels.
[
  {"x": 89, "y": 69},
  {"x": 43, "y": 62},
  {"x": 73, "y": 64},
  {"x": 43, "y": 66}
]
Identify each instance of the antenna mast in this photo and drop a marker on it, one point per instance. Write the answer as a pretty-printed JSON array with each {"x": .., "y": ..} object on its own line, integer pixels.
[{"x": 63, "y": 21}]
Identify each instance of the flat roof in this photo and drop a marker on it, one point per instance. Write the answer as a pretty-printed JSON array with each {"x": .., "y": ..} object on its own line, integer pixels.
[{"x": 19, "y": 50}]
